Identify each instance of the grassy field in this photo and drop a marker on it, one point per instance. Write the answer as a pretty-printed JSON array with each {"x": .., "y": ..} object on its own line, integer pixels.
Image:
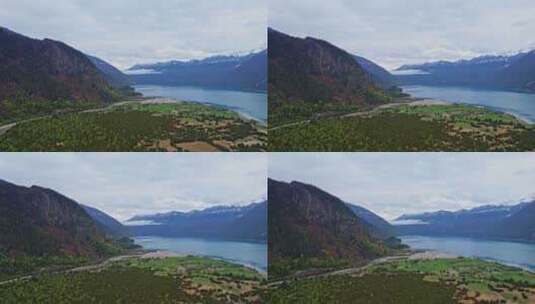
[
  {"x": 475, "y": 281},
  {"x": 141, "y": 280},
  {"x": 139, "y": 127},
  {"x": 381, "y": 289},
  {"x": 408, "y": 128},
  {"x": 459, "y": 280}
]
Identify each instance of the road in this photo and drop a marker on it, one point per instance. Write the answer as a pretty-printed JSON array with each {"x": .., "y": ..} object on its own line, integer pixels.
[
  {"x": 415, "y": 102},
  {"x": 98, "y": 266},
  {"x": 5, "y": 128}
]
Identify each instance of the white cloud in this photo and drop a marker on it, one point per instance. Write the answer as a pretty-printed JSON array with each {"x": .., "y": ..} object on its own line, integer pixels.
[
  {"x": 125, "y": 184},
  {"x": 392, "y": 184},
  {"x": 126, "y": 32},
  {"x": 394, "y": 32}
]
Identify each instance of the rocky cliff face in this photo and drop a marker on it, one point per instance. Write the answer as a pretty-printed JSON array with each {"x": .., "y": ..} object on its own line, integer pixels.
[
  {"x": 305, "y": 221},
  {"x": 37, "y": 221},
  {"x": 47, "y": 70},
  {"x": 313, "y": 70}
]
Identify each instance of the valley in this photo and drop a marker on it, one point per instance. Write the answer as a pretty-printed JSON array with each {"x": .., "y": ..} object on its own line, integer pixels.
[
  {"x": 313, "y": 261},
  {"x": 149, "y": 125},
  {"x": 324, "y": 99},
  {"x": 141, "y": 279},
  {"x": 55, "y": 250},
  {"x": 53, "y": 97}
]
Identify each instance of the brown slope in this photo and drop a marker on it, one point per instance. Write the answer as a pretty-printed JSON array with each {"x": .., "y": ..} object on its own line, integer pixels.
[
  {"x": 47, "y": 70},
  {"x": 313, "y": 70},
  {"x": 305, "y": 221}
]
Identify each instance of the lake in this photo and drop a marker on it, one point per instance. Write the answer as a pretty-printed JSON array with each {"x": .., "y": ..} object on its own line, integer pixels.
[
  {"x": 509, "y": 253},
  {"x": 249, "y": 104},
  {"x": 521, "y": 105},
  {"x": 244, "y": 253}
]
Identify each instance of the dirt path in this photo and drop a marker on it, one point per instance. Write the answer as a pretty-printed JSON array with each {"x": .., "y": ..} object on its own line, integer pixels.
[
  {"x": 5, "y": 128},
  {"x": 420, "y": 102},
  {"x": 99, "y": 266},
  {"x": 417, "y": 255}
]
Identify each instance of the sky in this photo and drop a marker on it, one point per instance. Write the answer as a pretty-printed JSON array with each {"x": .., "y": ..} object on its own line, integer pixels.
[
  {"x": 392, "y": 184},
  {"x": 397, "y": 32},
  {"x": 126, "y": 184},
  {"x": 128, "y": 32}
]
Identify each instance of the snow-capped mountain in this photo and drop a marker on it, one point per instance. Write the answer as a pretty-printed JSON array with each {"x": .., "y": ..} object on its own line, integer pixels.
[
  {"x": 509, "y": 72},
  {"x": 492, "y": 221},
  {"x": 239, "y": 72},
  {"x": 234, "y": 222}
]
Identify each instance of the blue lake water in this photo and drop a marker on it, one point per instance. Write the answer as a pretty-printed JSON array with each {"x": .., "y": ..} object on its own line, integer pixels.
[
  {"x": 521, "y": 105},
  {"x": 250, "y": 104},
  {"x": 509, "y": 253},
  {"x": 244, "y": 253}
]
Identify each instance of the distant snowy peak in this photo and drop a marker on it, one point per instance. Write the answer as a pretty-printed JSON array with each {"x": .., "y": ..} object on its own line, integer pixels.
[
  {"x": 229, "y": 210},
  {"x": 503, "y": 210},
  {"x": 217, "y": 59},
  {"x": 503, "y": 60}
]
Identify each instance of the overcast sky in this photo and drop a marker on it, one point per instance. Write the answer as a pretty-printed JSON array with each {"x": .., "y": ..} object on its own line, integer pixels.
[
  {"x": 125, "y": 32},
  {"x": 396, "y": 32},
  {"x": 125, "y": 184},
  {"x": 391, "y": 184}
]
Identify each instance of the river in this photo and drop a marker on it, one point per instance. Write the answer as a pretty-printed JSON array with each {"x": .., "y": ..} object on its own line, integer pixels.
[
  {"x": 522, "y": 105},
  {"x": 244, "y": 253},
  {"x": 509, "y": 253},
  {"x": 249, "y": 104}
]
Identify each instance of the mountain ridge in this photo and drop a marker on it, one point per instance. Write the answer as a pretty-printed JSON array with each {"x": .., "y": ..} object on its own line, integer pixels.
[
  {"x": 239, "y": 72},
  {"x": 38, "y": 221},
  {"x": 307, "y": 222},
  {"x": 223, "y": 222},
  {"x": 48, "y": 70},
  {"x": 512, "y": 222}
]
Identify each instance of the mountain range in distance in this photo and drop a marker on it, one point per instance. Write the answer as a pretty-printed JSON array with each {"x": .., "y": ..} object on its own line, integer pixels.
[
  {"x": 33, "y": 70},
  {"x": 507, "y": 72},
  {"x": 235, "y": 72},
  {"x": 221, "y": 222},
  {"x": 515, "y": 223},
  {"x": 36, "y": 221}
]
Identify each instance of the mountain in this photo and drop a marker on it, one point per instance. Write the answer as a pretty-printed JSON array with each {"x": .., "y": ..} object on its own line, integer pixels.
[
  {"x": 504, "y": 222},
  {"x": 520, "y": 74},
  {"x": 224, "y": 222},
  {"x": 515, "y": 72},
  {"x": 305, "y": 221},
  {"x": 36, "y": 221},
  {"x": 243, "y": 72},
  {"x": 313, "y": 70},
  {"x": 380, "y": 75},
  {"x": 113, "y": 75},
  {"x": 111, "y": 226},
  {"x": 378, "y": 227},
  {"x": 48, "y": 70}
]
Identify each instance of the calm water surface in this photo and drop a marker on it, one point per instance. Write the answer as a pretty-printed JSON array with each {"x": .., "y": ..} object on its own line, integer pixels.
[
  {"x": 249, "y": 254},
  {"x": 521, "y": 105},
  {"x": 510, "y": 253},
  {"x": 252, "y": 105}
]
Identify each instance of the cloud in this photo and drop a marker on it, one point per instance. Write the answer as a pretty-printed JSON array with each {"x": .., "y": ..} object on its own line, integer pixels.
[
  {"x": 392, "y": 184},
  {"x": 394, "y": 32},
  {"x": 126, "y": 32},
  {"x": 125, "y": 184}
]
